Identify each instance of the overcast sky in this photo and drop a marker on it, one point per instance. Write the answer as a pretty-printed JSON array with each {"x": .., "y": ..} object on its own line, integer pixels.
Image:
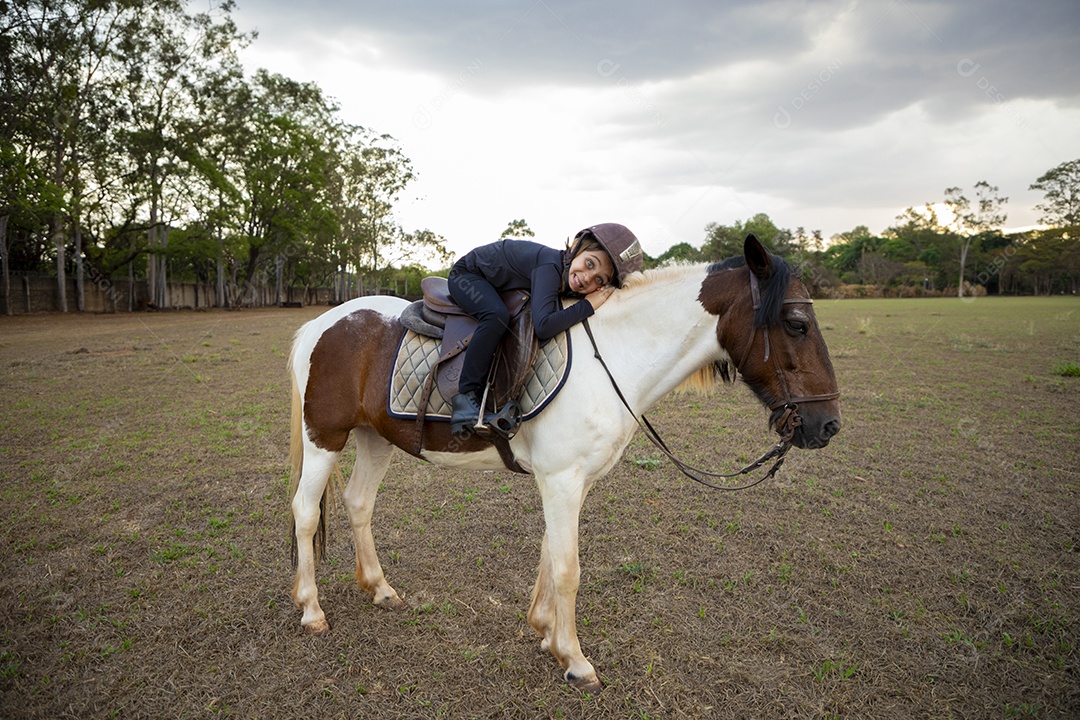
[{"x": 666, "y": 116}]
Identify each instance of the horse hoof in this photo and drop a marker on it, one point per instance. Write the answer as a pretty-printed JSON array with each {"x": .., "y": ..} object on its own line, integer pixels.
[
  {"x": 390, "y": 602},
  {"x": 590, "y": 685},
  {"x": 319, "y": 627}
]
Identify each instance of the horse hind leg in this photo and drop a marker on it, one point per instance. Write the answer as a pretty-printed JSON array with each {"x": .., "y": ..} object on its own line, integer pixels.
[
  {"x": 372, "y": 459},
  {"x": 307, "y": 513}
]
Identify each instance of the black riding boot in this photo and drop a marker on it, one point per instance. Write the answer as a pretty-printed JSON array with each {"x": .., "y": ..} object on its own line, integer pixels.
[{"x": 466, "y": 409}]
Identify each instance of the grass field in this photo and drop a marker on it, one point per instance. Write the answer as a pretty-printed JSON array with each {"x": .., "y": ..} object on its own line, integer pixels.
[{"x": 924, "y": 565}]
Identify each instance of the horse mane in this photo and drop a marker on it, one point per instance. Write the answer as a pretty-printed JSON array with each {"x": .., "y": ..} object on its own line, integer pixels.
[
  {"x": 659, "y": 274},
  {"x": 772, "y": 290},
  {"x": 704, "y": 380}
]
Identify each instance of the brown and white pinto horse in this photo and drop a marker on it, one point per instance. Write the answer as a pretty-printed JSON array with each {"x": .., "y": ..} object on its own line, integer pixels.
[{"x": 662, "y": 328}]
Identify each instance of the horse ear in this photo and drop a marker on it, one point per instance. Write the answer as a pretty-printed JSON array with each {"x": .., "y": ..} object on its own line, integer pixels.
[{"x": 757, "y": 257}]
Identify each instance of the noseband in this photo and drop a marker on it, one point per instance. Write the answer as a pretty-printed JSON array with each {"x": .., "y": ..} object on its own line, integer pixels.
[{"x": 788, "y": 422}]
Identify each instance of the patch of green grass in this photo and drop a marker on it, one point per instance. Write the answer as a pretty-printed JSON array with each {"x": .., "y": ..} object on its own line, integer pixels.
[
  {"x": 9, "y": 665},
  {"x": 830, "y": 669},
  {"x": 649, "y": 463},
  {"x": 635, "y": 569},
  {"x": 173, "y": 551},
  {"x": 1067, "y": 369}
]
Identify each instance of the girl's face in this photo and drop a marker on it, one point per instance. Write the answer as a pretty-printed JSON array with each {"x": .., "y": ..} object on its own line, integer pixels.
[{"x": 590, "y": 270}]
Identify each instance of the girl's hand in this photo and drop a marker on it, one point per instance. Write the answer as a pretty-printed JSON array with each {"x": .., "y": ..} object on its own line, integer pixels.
[{"x": 599, "y": 297}]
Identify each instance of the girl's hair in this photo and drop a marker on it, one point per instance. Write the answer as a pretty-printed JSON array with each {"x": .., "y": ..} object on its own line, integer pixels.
[{"x": 587, "y": 241}]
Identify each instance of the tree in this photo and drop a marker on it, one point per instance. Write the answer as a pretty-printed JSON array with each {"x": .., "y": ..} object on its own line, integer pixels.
[
  {"x": 1061, "y": 186},
  {"x": 64, "y": 55},
  {"x": 878, "y": 270},
  {"x": 374, "y": 172},
  {"x": 281, "y": 162},
  {"x": 680, "y": 252},
  {"x": 128, "y": 128},
  {"x": 724, "y": 241},
  {"x": 517, "y": 229},
  {"x": 165, "y": 67},
  {"x": 970, "y": 223},
  {"x": 919, "y": 236},
  {"x": 846, "y": 248},
  {"x": 24, "y": 199}
]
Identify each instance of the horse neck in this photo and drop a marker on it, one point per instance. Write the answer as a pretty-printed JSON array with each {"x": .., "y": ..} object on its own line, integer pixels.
[{"x": 655, "y": 336}]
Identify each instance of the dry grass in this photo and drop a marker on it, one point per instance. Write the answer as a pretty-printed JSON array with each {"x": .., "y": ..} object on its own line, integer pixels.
[{"x": 924, "y": 565}]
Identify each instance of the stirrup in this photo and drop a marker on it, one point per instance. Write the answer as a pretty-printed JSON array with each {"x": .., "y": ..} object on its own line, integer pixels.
[{"x": 504, "y": 423}]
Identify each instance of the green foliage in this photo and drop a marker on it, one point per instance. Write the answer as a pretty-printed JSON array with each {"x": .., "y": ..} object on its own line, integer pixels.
[
  {"x": 517, "y": 229},
  {"x": 1068, "y": 369},
  {"x": 135, "y": 124},
  {"x": 1061, "y": 188},
  {"x": 724, "y": 241},
  {"x": 682, "y": 252}
]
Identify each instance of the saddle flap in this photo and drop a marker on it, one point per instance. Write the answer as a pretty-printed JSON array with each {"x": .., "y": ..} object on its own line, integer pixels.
[{"x": 511, "y": 364}]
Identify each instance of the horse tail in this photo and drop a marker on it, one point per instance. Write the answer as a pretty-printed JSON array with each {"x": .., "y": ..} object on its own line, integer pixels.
[{"x": 296, "y": 464}]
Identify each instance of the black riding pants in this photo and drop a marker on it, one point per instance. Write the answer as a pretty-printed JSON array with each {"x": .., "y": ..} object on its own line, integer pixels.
[{"x": 479, "y": 298}]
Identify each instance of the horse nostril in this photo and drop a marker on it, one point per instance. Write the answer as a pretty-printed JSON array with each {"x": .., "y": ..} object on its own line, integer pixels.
[{"x": 830, "y": 428}]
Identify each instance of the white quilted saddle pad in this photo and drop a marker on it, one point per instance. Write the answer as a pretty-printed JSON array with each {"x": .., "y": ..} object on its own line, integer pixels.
[{"x": 417, "y": 354}]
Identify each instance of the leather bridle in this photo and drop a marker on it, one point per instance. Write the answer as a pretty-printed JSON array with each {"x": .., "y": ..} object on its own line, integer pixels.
[
  {"x": 786, "y": 425},
  {"x": 789, "y": 420}
]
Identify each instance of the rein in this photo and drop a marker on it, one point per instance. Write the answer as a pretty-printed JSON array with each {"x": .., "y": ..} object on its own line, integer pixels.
[{"x": 786, "y": 425}]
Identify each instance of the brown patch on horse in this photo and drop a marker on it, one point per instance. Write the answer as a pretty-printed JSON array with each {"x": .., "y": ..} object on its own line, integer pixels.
[
  {"x": 343, "y": 364},
  {"x": 348, "y": 385}
]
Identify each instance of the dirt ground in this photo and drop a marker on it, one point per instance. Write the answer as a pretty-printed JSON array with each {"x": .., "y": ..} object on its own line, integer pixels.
[{"x": 924, "y": 565}]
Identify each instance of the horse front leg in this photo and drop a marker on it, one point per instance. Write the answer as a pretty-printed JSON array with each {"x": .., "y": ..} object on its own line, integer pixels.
[
  {"x": 553, "y": 613},
  {"x": 306, "y": 510},
  {"x": 372, "y": 459},
  {"x": 542, "y": 609}
]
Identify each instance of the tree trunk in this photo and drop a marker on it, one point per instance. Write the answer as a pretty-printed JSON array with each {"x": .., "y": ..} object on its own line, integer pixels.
[
  {"x": 80, "y": 285},
  {"x": 220, "y": 282},
  {"x": 279, "y": 263},
  {"x": 61, "y": 261},
  {"x": 4, "y": 270},
  {"x": 963, "y": 259}
]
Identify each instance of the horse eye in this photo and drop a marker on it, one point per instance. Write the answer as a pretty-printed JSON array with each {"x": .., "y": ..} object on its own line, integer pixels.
[{"x": 797, "y": 326}]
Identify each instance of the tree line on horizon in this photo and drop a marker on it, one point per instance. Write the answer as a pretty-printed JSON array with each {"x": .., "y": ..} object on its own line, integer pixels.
[
  {"x": 922, "y": 254},
  {"x": 133, "y": 146}
]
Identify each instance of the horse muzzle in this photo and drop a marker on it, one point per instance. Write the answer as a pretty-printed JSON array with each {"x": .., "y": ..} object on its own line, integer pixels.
[{"x": 805, "y": 430}]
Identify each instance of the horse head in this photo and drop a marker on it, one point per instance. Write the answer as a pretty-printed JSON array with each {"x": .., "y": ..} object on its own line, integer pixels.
[{"x": 768, "y": 328}]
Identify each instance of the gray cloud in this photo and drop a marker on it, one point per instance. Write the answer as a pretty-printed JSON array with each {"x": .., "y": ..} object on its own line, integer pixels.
[{"x": 833, "y": 103}]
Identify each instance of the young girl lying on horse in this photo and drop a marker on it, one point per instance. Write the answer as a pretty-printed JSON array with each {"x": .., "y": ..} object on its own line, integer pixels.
[{"x": 600, "y": 257}]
